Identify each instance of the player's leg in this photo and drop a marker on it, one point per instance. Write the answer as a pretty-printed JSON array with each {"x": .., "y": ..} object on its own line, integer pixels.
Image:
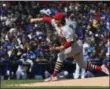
[
  {"x": 61, "y": 56},
  {"x": 58, "y": 65},
  {"x": 77, "y": 51},
  {"x": 79, "y": 59}
]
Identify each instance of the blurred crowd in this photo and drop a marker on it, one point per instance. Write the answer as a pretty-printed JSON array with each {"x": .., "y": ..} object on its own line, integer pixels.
[{"x": 24, "y": 47}]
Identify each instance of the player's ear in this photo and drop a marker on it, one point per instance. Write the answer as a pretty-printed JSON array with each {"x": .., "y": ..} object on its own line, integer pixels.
[{"x": 63, "y": 21}]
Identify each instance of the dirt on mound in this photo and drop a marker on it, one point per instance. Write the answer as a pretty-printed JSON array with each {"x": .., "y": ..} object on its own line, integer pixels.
[{"x": 97, "y": 81}]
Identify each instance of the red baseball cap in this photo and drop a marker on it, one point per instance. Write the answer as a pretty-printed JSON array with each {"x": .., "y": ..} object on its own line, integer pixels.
[{"x": 59, "y": 16}]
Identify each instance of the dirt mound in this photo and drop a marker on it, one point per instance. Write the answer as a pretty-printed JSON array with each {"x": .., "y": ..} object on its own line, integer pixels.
[{"x": 97, "y": 81}]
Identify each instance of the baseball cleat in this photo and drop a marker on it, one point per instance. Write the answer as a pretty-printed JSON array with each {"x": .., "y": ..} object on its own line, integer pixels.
[
  {"x": 105, "y": 69},
  {"x": 54, "y": 78},
  {"x": 51, "y": 79},
  {"x": 47, "y": 79}
]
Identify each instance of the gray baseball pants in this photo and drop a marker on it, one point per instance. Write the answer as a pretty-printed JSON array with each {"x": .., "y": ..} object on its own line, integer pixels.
[{"x": 76, "y": 51}]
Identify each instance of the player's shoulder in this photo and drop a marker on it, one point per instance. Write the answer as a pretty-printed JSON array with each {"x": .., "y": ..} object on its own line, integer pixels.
[{"x": 66, "y": 28}]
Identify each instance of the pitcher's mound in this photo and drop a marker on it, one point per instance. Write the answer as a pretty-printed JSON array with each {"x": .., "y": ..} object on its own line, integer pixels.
[{"x": 97, "y": 81}]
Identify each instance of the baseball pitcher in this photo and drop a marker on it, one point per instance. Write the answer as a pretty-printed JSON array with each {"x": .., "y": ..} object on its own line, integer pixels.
[{"x": 71, "y": 48}]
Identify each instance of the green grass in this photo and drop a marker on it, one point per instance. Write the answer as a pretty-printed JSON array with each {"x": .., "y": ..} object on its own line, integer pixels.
[
  {"x": 5, "y": 84},
  {"x": 19, "y": 81}
]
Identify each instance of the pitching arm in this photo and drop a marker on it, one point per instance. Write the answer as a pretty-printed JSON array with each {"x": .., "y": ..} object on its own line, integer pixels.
[
  {"x": 45, "y": 18},
  {"x": 32, "y": 20}
]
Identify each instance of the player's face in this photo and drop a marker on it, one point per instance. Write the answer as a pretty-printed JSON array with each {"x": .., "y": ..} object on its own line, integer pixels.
[{"x": 57, "y": 21}]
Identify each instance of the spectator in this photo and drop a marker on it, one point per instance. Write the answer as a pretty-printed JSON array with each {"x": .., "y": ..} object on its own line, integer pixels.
[{"x": 24, "y": 66}]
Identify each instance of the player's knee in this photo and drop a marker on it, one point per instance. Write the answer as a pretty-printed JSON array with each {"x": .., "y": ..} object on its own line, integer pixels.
[{"x": 61, "y": 56}]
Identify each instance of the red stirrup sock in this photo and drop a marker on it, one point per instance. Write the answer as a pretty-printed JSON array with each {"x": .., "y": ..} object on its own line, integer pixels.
[
  {"x": 57, "y": 68},
  {"x": 95, "y": 67}
]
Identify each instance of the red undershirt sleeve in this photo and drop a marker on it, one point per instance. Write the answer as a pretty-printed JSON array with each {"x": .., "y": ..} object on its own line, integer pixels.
[
  {"x": 47, "y": 19},
  {"x": 67, "y": 44}
]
